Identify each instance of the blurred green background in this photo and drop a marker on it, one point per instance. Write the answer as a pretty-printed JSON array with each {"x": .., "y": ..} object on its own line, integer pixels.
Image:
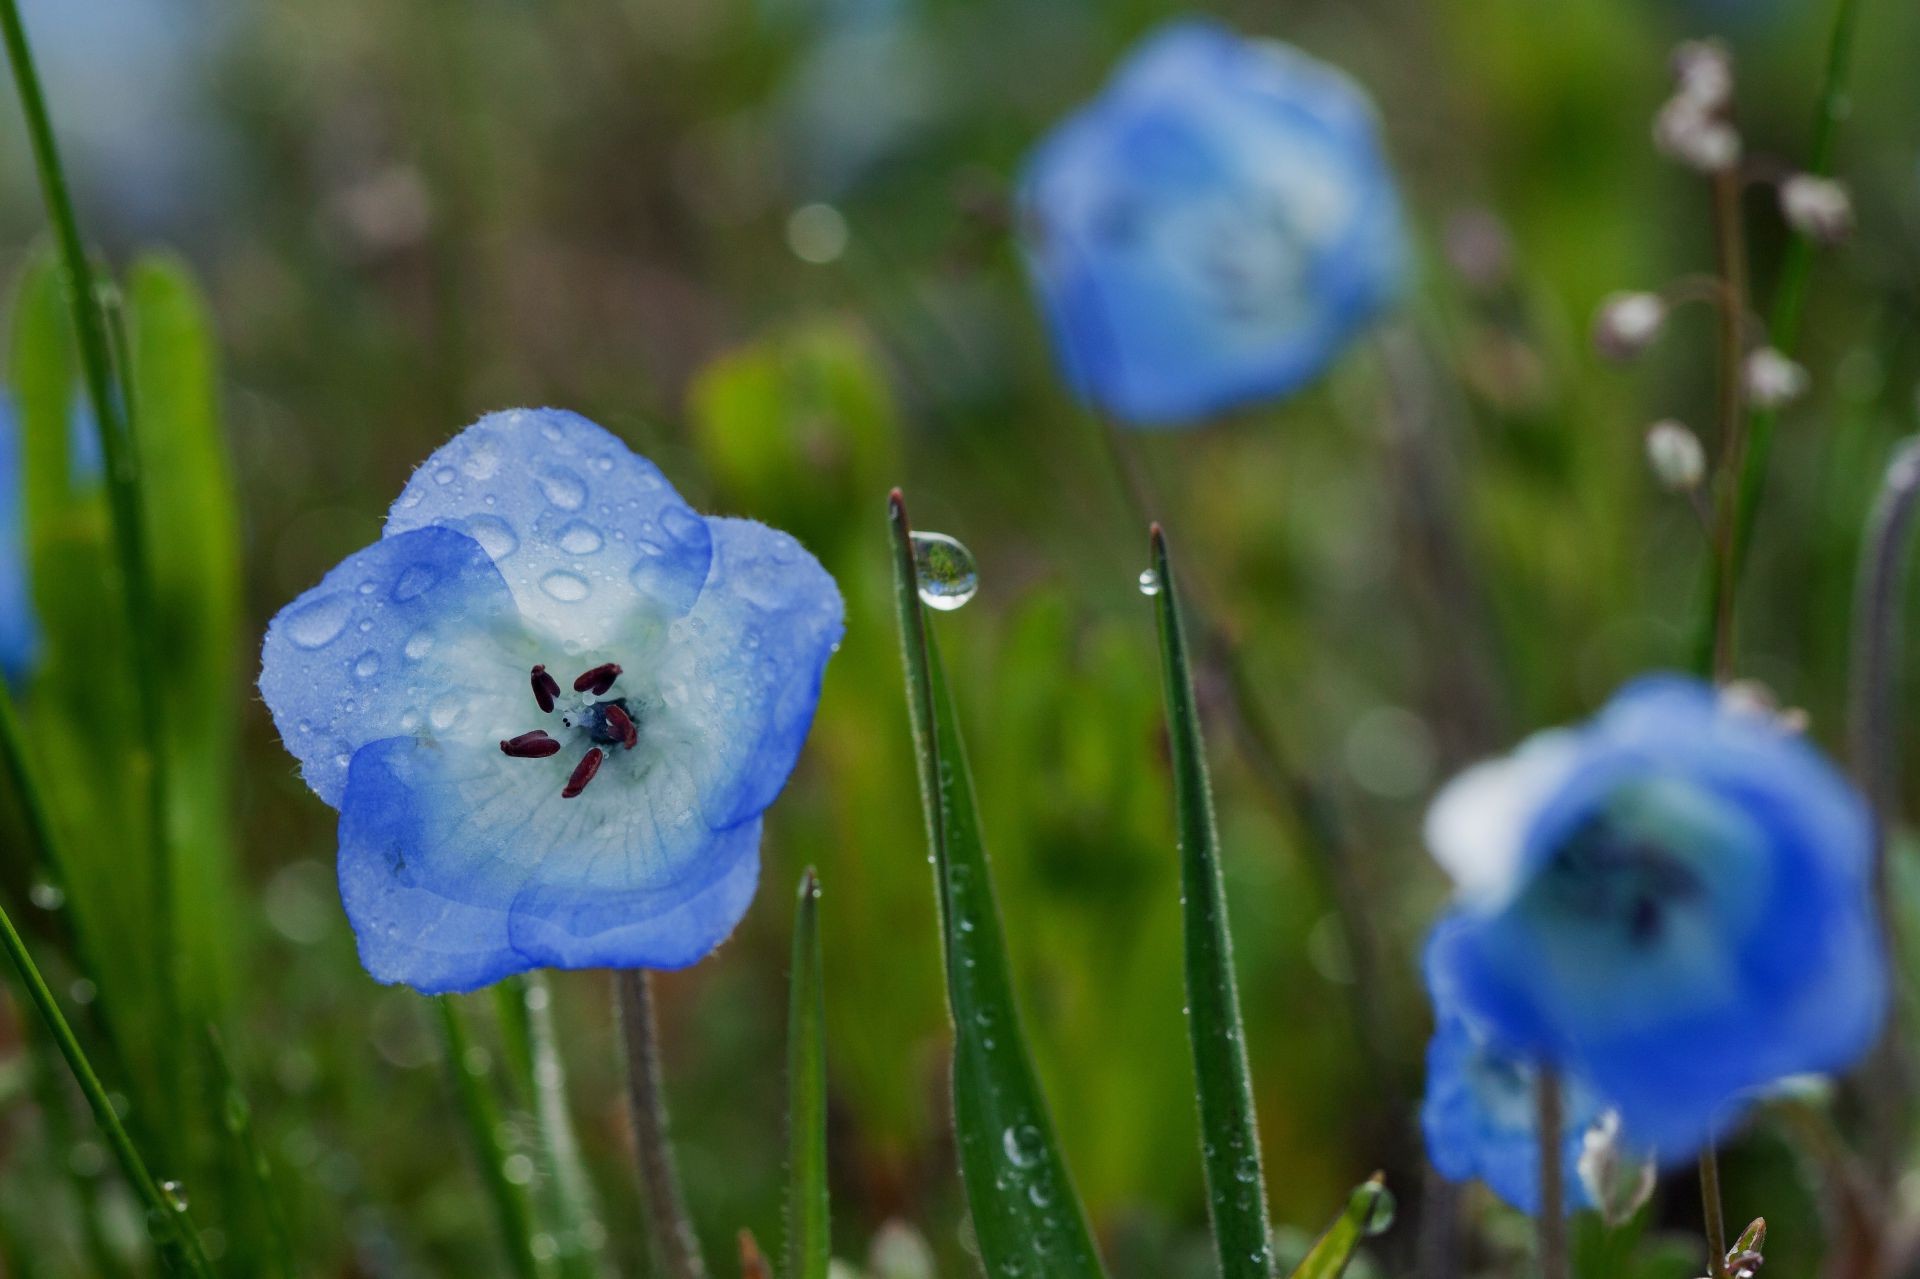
[{"x": 767, "y": 242}]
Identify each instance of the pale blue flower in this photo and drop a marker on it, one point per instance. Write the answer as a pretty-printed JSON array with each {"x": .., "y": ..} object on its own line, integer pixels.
[
  {"x": 1213, "y": 228},
  {"x": 551, "y": 705},
  {"x": 1672, "y": 901}
]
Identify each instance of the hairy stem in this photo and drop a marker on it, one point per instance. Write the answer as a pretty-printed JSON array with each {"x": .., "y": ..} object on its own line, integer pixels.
[
  {"x": 668, "y": 1223},
  {"x": 1731, "y": 248},
  {"x": 1551, "y": 1220},
  {"x": 1714, "y": 1215}
]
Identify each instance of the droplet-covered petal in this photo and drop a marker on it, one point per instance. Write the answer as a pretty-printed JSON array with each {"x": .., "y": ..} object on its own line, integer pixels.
[
  {"x": 414, "y": 634},
  {"x": 459, "y": 866},
  {"x": 583, "y": 530}
]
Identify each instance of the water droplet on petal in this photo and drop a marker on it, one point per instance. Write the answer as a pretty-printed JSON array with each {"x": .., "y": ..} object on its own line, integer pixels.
[
  {"x": 418, "y": 645},
  {"x": 444, "y": 475},
  {"x": 946, "y": 571},
  {"x": 494, "y": 535},
  {"x": 563, "y": 488},
  {"x": 368, "y": 666},
  {"x": 319, "y": 622},
  {"x": 568, "y": 588},
  {"x": 175, "y": 1193},
  {"x": 580, "y": 538},
  {"x": 1149, "y": 582},
  {"x": 681, "y": 524},
  {"x": 414, "y": 583},
  {"x": 445, "y": 711}
]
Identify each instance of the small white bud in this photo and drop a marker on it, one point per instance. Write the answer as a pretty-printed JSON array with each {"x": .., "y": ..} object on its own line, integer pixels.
[
  {"x": 1675, "y": 457},
  {"x": 1817, "y": 207},
  {"x": 1703, "y": 75},
  {"x": 1772, "y": 380},
  {"x": 1617, "y": 1180},
  {"x": 1628, "y": 323},
  {"x": 1695, "y": 136}
]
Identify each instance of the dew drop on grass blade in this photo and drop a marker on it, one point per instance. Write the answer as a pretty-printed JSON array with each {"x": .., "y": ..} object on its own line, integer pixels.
[
  {"x": 1236, "y": 1190},
  {"x": 1027, "y": 1216},
  {"x": 1369, "y": 1212}
]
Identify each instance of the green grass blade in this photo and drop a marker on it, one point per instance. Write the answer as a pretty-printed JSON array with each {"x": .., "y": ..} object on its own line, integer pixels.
[
  {"x": 512, "y": 1212},
  {"x": 1230, "y": 1140},
  {"x": 236, "y": 1118},
  {"x": 567, "y": 1197},
  {"x": 1027, "y": 1216},
  {"x": 809, "y": 1220},
  {"x": 1368, "y": 1212}
]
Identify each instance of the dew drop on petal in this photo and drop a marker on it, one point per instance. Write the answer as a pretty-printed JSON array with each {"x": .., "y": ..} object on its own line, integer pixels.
[
  {"x": 1149, "y": 582},
  {"x": 563, "y": 488},
  {"x": 368, "y": 666},
  {"x": 444, "y": 475},
  {"x": 319, "y": 623},
  {"x": 418, "y": 645},
  {"x": 568, "y": 588},
  {"x": 494, "y": 536},
  {"x": 414, "y": 583},
  {"x": 580, "y": 538},
  {"x": 948, "y": 578},
  {"x": 681, "y": 524},
  {"x": 445, "y": 711}
]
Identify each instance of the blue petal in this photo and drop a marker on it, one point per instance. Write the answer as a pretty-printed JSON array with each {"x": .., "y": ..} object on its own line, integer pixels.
[
  {"x": 584, "y": 531},
  {"x": 1213, "y": 229},
  {"x": 416, "y": 633},
  {"x": 19, "y": 636},
  {"x": 459, "y": 866}
]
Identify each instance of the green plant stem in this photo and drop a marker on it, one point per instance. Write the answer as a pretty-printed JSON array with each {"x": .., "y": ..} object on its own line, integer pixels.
[
  {"x": 1710, "y": 1209},
  {"x": 1796, "y": 265},
  {"x": 809, "y": 1210},
  {"x": 1731, "y": 248},
  {"x": 481, "y": 1111},
  {"x": 669, "y": 1225},
  {"x": 1551, "y": 1220},
  {"x": 114, "y": 422}
]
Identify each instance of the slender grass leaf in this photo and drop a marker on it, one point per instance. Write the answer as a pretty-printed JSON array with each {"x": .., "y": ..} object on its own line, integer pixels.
[
  {"x": 480, "y": 1110},
  {"x": 1027, "y": 1216},
  {"x": 809, "y": 1220},
  {"x": 273, "y": 1251},
  {"x": 1369, "y": 1211},
  {"x": 566, "y": 1196},
  {"x": 1230, "y": 1140}
]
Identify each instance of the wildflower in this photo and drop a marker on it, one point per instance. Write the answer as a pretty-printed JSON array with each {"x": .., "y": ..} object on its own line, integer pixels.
[
  {"x": 1817, "y": 207},
  {"x": 1675, "y": 457},
  {"x": 1213, "y": 229},
  {"x": 1628, "y": 323},
  {"x": 1694, "y": 126},
  {"x": 1480, "y": 1119},
  {"x": 551, "y": 704},
  {"x": 1671, "y": 901},
  {"x": 19, "y": 636},
  {"x": 1771, "y": 379}
]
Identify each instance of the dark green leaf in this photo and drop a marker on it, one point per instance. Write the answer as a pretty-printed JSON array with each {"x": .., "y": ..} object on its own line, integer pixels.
[
  {"x": 809, "y": 1222},
  {"x": 1230, "y": 1140},
  {"x": 1027, "y": 1216}
]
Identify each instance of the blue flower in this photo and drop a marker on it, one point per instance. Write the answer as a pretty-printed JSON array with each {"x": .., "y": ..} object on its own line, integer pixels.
[
  {"x": 19, "y": 635},
  {"x": 1480, "y": 1115},
  {"x": 551, "y": 705},
  {"x": 1672, "y": 902},
  {"x": 1213, "y": 228}
]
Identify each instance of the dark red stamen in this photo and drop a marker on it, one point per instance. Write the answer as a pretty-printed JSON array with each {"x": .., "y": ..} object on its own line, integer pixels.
[
  {"x": 534, "y": 745},
  {"x": 583, "y": 773},
  {"x": 622, "y": 723},
  {"x": 598, "y": 680},
  {"x": 545, "y": 689}
]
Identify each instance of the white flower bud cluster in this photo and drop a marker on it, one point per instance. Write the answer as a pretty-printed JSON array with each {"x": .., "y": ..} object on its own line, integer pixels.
[
  {"x": 1618, "y": 1181},
  {"x": 1818, "y": 208},
  {"x": 1675, "y": 457},
  {"x": 1694, "y": 126},
  {"x": 1627, "y": 324},
  {"x": 1772, "y": 380}
]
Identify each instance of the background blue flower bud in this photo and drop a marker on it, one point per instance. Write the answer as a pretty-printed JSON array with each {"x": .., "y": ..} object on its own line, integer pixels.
[
  {"x": 19, "y": 637},
  {"x": 405, "y": 683},
  {"x": 1212, "y": 229},
  {"x": 1672, "y": 901}
]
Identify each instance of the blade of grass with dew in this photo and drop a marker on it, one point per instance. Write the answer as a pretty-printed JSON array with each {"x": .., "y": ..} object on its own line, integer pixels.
[
  {"x": 480, "y": 1110},
  {"x": 193, "y": 530},
  {"x": 1027, "y": 1216},
  {"x": 268, "y": 1250},
  {"x": 113, "y": 419},
  {"x": 1230, "y": 1140},
  {"x": 809, "y": 1214},
  {"x": 54, "y": 1097},
  {"x": 566, "y": 1197},
  {"x": 1368, "y": 1212}
]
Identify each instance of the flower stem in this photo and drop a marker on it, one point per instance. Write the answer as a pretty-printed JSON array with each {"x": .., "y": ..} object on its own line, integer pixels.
[
  {"x": 1712, "y": 1212},
  {"x": 1731, "y": 247},
  {"x": 481, "y": 1111},
  {"x": 113, "y": 418},
  {"x": 661, "y": 1200},
  {"x": 1551, "y": 1220}
]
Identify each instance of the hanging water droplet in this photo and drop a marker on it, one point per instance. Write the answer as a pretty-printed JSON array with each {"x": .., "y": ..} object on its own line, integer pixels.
[
  {"x": 946, "y": 571},
  {"x": 1379, "y": 1205},
  {"x": 1149, "y": 582},
  {"x": 47, "y": 896},
  {"x": 175, "y": 1193},
  {"x": 1022, "y": 1145}
]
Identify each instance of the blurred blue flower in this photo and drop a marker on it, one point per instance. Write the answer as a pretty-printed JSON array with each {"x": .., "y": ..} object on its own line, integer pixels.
[
  {"x": 551, "y": 704},
  {"x": 1672, "y": 901},
  {"x": 1479, "y": 1115},
  {"x": 1213, "y": 228},
  {"x": 19, "y": 635}
]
